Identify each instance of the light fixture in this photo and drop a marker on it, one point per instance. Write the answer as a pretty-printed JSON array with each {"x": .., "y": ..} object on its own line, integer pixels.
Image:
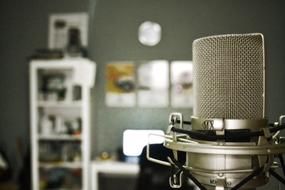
[{"x": 149, "y": 33}]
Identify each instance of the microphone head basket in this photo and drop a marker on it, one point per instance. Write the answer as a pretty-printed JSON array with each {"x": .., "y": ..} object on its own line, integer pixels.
[{"x": 229, "y": 76}]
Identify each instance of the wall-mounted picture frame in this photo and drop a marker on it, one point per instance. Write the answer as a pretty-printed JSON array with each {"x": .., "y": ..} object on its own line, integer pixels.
[
  {"x": 120, "y": 84},
  {"x": 61, "y": 25},
  {"x": 153, "y": 83},
  {"x": 182, "y": 84}
]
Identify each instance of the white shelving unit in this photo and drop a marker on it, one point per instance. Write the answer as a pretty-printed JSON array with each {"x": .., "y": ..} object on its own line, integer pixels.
[{"x": 60, "y": 123}]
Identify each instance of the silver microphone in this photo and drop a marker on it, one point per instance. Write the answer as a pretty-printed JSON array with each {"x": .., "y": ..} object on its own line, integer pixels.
[{"x": 230, "y": 145}]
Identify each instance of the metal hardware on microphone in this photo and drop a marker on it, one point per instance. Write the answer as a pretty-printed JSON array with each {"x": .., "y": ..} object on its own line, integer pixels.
[
  {"x": 262, "y": 150},
  {"x": 228, "y": 142}
]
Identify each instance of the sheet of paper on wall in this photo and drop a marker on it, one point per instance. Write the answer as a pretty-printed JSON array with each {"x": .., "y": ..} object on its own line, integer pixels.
[
  {"x": 153, "y": 81},
  {"x": 181, "y": 84},
  {"x": 120, "y": 84},
  {"x": 61, "y": 24}
]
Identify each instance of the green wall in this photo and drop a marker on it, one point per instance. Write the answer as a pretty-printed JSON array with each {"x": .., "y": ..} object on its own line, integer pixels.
[
  {"x": 23, "y": 28},
  {"x": 114, "y": 37},
  {"x": 114, "y": 26}
]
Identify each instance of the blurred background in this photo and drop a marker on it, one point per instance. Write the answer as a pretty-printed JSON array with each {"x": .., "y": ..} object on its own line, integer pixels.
[{"x": 113, "y": 38}]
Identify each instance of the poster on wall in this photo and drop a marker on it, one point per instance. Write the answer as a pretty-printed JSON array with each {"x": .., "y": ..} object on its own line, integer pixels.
[
  {"x": 120, "y": 84},
  {"x": 182, "y": 84},
  {"x": 153, "y": 83},
  {"x": 64, "y": 26}
]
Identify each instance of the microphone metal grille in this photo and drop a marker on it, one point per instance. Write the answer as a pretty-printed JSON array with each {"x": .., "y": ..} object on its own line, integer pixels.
[{"x": 229, "y": 76}]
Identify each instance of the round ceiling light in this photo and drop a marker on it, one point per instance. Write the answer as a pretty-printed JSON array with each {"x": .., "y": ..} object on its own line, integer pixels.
[{"x": 149, "y": 33}]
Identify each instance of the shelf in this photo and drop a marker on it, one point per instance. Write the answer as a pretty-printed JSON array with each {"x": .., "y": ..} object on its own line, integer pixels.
[
  {"x": 54, "y": 114},
  {"x": 70, "y": 165},
  {"x": 64, "y": 189},
  {"x": 60, "y": 137},
  {"x": 61, "y": 104}
]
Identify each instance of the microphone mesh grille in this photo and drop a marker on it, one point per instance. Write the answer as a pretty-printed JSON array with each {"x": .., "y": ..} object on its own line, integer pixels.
[{"x": 229, "y": 76}]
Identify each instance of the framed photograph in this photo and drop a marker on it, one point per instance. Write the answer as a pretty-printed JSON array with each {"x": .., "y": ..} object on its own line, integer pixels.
[
  {"x": 153, "y": 83},
  {"x": 60, "y": 26},
  {"x": 182, "y": 84},
  {"x": 120, "y": 84}
]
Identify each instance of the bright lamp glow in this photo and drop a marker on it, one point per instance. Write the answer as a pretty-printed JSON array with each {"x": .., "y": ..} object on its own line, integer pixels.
[
  {"x": 135, "y": 140},
  {"x": 149, "y": 33}
]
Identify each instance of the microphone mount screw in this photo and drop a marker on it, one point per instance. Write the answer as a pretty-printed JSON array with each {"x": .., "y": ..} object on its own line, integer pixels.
[{"x": 220, "y": 175}]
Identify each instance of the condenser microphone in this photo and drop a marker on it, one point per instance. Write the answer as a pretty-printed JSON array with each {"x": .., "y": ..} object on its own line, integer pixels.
[
  {"x": 229, "y": 77},
  {"x": 230, "y": 144}
]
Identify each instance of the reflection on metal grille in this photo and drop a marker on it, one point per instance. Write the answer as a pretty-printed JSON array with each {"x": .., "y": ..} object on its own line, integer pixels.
[{"x": 229, "y": 76}]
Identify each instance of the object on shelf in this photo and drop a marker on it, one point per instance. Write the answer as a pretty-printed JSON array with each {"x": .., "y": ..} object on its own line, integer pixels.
[
  {"x": 49, "y": 152},
  {"x": 57, "y": 87},
  {"x": 68, "y": 165},
  {"x": 59, "y": 105},
  {"x": 74, "y": 47},
  {"x": 105, "y": 156},
  {"x": 74, "y": 126},
  {"x": 46, "y": 125},
  {"x": 53, "y": 88},
  {"x": 60, "y": 137},
  {"x": 47, "y": 54},
  {"x": 58, "y": 151},
  {"x": 69, "y": 88},
  {"x": 76, "y": 92},
  {"x": 60, "y": 178},
  {"x": 66, "y": 154},
  {"x": 60, "y": 128},
  {"x": 60, "y": 26},
  {"x": 56, "y": 125}
]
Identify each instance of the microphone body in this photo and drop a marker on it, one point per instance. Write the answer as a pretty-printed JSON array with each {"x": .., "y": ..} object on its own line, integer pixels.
[
  {"x": 230, "y": 144},
  {"x": 228, "y": 85}
]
